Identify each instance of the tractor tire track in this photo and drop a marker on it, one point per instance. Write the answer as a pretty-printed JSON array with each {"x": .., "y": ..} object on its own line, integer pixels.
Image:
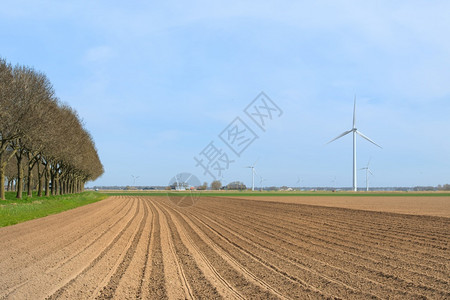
[
  {"x": 226, "y": 290},
  {"x": 156, "y": 283},
  {"x": 177, "y": 285},
  {"x": 243, "y": 279},
  {"x": 108, "y": 291},
  {"x": 196, "y": 284}
]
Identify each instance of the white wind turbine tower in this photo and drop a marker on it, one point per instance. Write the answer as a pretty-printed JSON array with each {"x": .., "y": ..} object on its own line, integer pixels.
[
  {"x": 253, "y": 174},
  {"x": 354, "y": 131},
  {"x": 367, "y": 174}
]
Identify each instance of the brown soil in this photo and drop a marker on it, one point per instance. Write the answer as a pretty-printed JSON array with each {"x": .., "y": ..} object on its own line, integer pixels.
[
  {"x": 415, "y": 205},
  {"x": 224, "y": 248}
]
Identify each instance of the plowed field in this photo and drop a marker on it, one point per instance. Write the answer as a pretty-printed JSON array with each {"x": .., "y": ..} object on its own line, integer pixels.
[{"x": 149, "y": 248}]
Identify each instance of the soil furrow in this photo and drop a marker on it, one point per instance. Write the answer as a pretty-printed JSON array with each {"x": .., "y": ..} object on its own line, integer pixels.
[
  {"x": 239, "y": 276},
  {"x": 322, "y": 221},
  {"x": 108, "y": 291},
  {"x": 292, "y": 286},
  {"x": 267, "y": 228},
  {"x": 378, "y": 275},
  {"x": 63, "y": 236},
  {"x": 177, "y": 286},
  {"x": 324, "y": 236},
  {"x": 300, "y": 274},
  {"x": 225, "y": 289},
  {"x": 198, "y": 285},
  {"x": 39, "y": 279},
  {"x": 68, "y": 290},
  {"x": 327, "y": 267},
  {"x": 143, "y": 247},
  {"x": 22, "y": 275},
  {"x": 156, "y": 284},
  {"x": 75, "y": 254}
]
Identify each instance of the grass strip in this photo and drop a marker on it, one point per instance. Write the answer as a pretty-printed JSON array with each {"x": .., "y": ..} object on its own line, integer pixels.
[{"x": 14, "y": 211}]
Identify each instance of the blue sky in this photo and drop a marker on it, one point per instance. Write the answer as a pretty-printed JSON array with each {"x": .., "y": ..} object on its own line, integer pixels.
[{"x": 155, "y": 82}]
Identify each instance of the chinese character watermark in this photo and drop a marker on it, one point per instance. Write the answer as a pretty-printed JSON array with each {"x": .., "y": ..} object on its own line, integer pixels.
[
  {"x": 237, "y": 136},
  {"x": 262, "y": 110},
  {"x": 213, "y": 161}
]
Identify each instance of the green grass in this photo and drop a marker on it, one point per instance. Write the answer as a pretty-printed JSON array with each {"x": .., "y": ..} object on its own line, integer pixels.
[
  {"x": 282, "y": 194},
  {"x": 13, "y": 211}
]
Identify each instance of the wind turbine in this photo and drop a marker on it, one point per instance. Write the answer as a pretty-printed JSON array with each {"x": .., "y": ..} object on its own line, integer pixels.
[
  {"x": 134, "y": 179},
  {"x": 253, "y": 174},
  {"x": 367, "y": 174},
  {"x": 299, "y": 181},
  {"x": 261, "y": 182},
  {"x": 354, "y": 131},
  {"x": 333, "y": 183}
]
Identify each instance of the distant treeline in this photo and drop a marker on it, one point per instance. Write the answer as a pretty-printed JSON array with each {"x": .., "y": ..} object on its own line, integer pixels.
[
  {"x": 445, "y": 187},
  {"x": 241, "y": 186},
  {"x": 44, "y": 145}
]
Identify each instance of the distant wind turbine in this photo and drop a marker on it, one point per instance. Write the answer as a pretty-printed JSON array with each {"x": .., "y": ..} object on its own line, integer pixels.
[
  {"x": 333, "y": 182},
  {"x": 367, "y": 174},
  {"x": 134, "y": 179},
  {"x": 253, "y": 174},
  {"x": 261, "y": 182},
  {"x": 354, "y": 131}
]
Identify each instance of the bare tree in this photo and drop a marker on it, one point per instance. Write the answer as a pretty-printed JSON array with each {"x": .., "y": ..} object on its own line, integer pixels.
[
  {"x": 8, "y": 120},
  {"x": 33, "y": 93},
  {"x": 40, "y": 133},
  {"x": 216, "y": 185}
]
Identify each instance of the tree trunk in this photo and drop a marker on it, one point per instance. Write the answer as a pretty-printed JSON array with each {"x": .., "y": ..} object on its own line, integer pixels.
[
  {"x": 2, "y": 183},
  {"x": 59, "y": 190},
  {"x": 39, "y": 193},
  {"x": 63, "y": 186},
  {"x": 69, "y": 186},
  {"x": 53, "y": 182},
  {"x": 19, "y": 177},
  {"x": 56, "y": 184},
  {"x": 30, "y": 183},
  {"x": 47, "y": 181},
  {"x": 3, "y": 161},
  {"x": 75, "y": 185}
]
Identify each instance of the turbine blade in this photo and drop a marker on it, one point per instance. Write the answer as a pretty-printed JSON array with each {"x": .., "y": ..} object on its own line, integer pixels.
[
  {"x": 347, "y": 132},
  {"x": 362, "y": 135},
  {"x": 370, "y": 171},
  {"x": 354, "y": 113},
  {"x": 254, "y": 164}
]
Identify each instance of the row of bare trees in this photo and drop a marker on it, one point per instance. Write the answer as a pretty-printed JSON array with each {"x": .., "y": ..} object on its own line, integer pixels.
[{"x": 42, "y": 139}]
